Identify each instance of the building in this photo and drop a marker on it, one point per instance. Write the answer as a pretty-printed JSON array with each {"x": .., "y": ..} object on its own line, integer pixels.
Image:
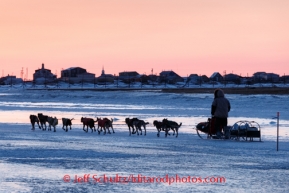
[
  {"x": 216, "y": 76},
  {"x": 143, "y": 78},
  {"x": 152, "y": 77},
  {"x": 76, "y": 75},
  {"x": 43, "y": 75},
  {"x": 260, "y": 76},
  {"x": 105, "y": 78},
  {"x": 194, "y": 78},
  {"x": 232, "y": 78},
  {"x": 204, "y": 78},
  {"x": 266, "y": 77},
  {"x": 170, "y": 77},
  {"x": 10, "y": 80},
  {"x": 128, "y": 76},
  {"x": 285, "y": 79},
  {"x": 272, "y": 77}
]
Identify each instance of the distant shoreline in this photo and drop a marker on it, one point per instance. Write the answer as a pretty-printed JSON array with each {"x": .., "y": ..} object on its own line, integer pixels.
[
  {"x": 244, "y": 90},
  {"x": 241, "y": 90}
]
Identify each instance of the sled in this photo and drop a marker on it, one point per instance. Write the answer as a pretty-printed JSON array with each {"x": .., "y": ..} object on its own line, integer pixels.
[
  {"x": 240, "y": 131},
  {"x": 246, "y": 130}
]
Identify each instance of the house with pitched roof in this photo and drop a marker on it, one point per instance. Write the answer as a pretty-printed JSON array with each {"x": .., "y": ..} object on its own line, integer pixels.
[
  {"x": 43, "y": 75},
  {"x": 216, "y": 76},
  {"x": 76, "y": 75},
  {"x": 170, "y": 77},
  {"x": 232, "y": 78},
  {"x": 194, "y": 78}
]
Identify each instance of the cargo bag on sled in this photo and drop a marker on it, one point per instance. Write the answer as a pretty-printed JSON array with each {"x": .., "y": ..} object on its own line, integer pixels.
[
  {"x": 207, "y": 127},
  {"x": 203, "y": 126}
]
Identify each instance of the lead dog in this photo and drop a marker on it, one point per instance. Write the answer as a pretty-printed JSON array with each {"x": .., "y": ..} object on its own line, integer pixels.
[{"x": 34, "y": 119}]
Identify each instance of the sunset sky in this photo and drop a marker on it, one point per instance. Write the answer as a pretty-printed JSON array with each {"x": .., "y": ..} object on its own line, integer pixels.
[{"x": 186, "y": 36}]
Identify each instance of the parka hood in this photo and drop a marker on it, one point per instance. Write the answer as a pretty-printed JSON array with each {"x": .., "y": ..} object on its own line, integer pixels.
[{"x": 219, "y": 93}]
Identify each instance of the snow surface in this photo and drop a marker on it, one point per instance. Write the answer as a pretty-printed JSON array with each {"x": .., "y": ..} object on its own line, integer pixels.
[{"x": 37, "y": 161}]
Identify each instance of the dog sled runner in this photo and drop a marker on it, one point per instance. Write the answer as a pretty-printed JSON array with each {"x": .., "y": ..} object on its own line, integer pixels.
[{"x": 240, "y": 131}]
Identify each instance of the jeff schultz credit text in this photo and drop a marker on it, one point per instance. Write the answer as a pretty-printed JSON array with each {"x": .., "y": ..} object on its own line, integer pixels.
[{"x": 139, "y": 178}]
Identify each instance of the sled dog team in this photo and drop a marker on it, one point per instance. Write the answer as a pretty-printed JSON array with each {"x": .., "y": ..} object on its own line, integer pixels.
[
  {"x": 41, "y": 120},
  {"x": 135, "y": 125}
]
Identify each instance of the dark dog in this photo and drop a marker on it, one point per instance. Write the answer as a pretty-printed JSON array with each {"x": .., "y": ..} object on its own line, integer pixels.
[
  {"x": 136, "y": 125},
  {"x": 52, "y": 122},
  {"x": 139, "y": 124},
  {"x": 88, "y": 122},
  {"x": 159, "y": 126},
  {"x": 66, "y": 122},
  {"x": 104, "y": 124},
  {"x": 34, "y": 119},
  {"x": 167, "y": 125},
  {"x": 43, "y": 119},
  {"x": 130, "y": 124}
]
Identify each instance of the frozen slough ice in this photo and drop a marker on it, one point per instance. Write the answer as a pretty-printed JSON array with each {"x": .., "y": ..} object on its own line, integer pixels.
[{"x": 38, "y": 161}]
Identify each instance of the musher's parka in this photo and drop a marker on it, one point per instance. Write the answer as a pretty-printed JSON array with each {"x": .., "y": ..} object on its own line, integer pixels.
[{"x": 221, "y": 105}]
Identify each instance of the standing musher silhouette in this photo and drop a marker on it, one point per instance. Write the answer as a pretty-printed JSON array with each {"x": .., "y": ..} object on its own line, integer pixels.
[{"x": 220, "y": 110}]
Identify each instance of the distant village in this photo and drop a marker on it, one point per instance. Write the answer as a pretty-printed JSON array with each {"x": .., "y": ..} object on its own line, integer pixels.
[{"x": 80, "y": 75}]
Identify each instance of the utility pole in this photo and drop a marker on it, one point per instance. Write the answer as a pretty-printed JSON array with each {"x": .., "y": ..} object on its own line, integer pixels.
[
  {"x": 57, "y": 85},
  {"x": 26, "y": 76},
  {"x": 104, "y": 80},
  {"x": 23, "y": 84},
  {"x": 11, "y": 81},
  {"x": 82, "y": 81},
  {"x": 45, "y": 83},
  {"x": 69, "y": 79},
  {"x": 225, "y": 77},
  {"x": 94, "y": 82},
  {"x": 278, "y": 114},
  {"x": 128, "y": 81},
  {"x": 21, "y": 73}
]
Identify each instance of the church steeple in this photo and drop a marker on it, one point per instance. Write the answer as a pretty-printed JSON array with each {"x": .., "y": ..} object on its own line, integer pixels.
[{"x": 102, "y": 72}]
